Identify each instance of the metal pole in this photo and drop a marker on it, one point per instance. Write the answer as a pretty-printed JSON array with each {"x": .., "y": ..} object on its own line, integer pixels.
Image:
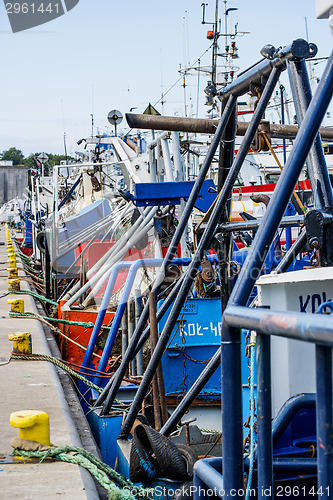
[
  {"x": 156, "y": 405},
  {"x": 203, "y": 245},
  {"x": 135, "y": 266},
  {"x": 253, "y": 264},
  {"x": 111, "y": 389},
  {"x": 184, "y": 219},
  {"x": 280, "y": 198},
  {"x": 222, "y": 244},
  {"x": 324, "y": 420},
  {"x": 138, "y": 311},
  {"x": 282, "y": 89},
  {"x": 232, "y": 414},
  {"x": 158, "y": 377},
  {"x": 182, "y": 225},
  {"x": 292, "y": 253},
  {"x": 131, "y": 327},
  {"x": 124, "y": 334},
  {"x": 70, "y": 192},
  {"x": 298, "y": 49},
  {"x": 203, "y": 126},
  {"x": 318, "y": 174},
  {"x": 264, "y": 413},
  {"x": 315, "y": 328}
]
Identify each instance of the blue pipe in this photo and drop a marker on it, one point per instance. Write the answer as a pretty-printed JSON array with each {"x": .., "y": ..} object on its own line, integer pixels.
[
  {"x": 313, "y": 328},
  {"x": 264, "y": 414},
  {"x": 231, "y": 380},
  {"x": 283, "y": 122},
  {"x": 208, "y": 473},
  {"x": 288, "y": 238},
  {"x": 284, "y": 188},
  {"x": 134, "y": 267},
  {"x": 203, "y": 245},
  {"x": 205, "y": 470},
  {"x": 70, "y": 192},
  {"x": 324, "y": 420},
  {"x": 101, "y": 314},
  {"x": 232, "y": 413},
  {"x": 257, "y": 254}
]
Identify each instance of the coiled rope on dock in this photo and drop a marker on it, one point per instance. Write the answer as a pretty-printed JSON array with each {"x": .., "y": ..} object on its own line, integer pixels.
[{"x": 103, "y": 473}]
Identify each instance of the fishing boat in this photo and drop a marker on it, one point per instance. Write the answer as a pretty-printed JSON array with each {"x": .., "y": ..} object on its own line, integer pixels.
[{"x": 158, "y": 279}]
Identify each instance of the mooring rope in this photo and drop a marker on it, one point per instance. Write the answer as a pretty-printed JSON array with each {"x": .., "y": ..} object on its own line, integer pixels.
[
  {"x": 103, "y": 473},
  {"x": 60, "y": 364}
]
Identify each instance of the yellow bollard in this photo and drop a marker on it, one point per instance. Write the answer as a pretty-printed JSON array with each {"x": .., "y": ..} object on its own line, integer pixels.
[
  {"x": 33, "y": 425},
  {"x": 12, "y": 261},
  {"x": 17, "y": 305},
  {"x": 14, "y": 285},
  {"x": 21, "y": 343}
]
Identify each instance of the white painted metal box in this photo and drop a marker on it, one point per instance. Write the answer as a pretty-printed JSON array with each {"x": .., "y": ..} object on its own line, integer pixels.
[{"x": 293, "y": 362}]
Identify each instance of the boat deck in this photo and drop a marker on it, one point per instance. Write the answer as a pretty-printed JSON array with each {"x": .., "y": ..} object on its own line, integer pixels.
[{"x": 34, "y": 385}]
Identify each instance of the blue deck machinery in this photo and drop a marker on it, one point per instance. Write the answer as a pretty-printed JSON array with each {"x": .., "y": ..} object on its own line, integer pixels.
[{"x": 226, "y": 474}]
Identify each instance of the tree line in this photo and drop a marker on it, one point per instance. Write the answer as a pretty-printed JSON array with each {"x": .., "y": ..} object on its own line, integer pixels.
[{"x": 17, "y": 157}]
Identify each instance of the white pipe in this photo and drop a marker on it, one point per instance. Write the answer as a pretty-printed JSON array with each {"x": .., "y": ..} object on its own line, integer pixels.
[
  {"x": 105, "y": 257},
  {"x": 177, "y": 161},
  {"x": 152, "y": 165},
  {"x": 105, "y": 270},
  {"x": 69, "y": 296},
  {"x": 160, "y": 163},
  {"x": 70, "y": 243},
  {"x": 156, "y": 141},
  {"x": 116, "y": 258},
  {"x": 167, "y": 161}
]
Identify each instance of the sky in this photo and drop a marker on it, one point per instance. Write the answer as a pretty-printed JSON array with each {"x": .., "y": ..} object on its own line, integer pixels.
[{"x": 106, "y": 54}]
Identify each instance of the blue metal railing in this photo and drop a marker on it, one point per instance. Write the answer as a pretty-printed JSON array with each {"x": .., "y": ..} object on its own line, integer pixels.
[
  {"x": 313, "y": 328},
  {"x": 133, "y": 269},
  {"x": 306, "y": 327}
]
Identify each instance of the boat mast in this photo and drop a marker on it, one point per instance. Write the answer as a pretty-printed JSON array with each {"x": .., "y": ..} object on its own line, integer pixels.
[{"x": 215, "y": 46}]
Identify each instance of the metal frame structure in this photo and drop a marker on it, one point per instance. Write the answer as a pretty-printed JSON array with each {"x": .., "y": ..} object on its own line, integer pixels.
[
  {"x": 260, "y": 79},
  {"x": 133, "y": 269}
]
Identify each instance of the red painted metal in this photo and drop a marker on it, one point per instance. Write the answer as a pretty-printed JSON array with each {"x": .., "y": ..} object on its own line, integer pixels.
[{"x": 79, "y": 334}]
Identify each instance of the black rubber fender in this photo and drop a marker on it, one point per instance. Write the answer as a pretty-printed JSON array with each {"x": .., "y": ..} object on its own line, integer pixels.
[
  {"x": 153, "y": 454},
  {"x": 143, "y": 467},
  {"x": 40, "y": 241},
  {"x": 189, "y": 456},
  {"x": 169, "y": 458}
]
